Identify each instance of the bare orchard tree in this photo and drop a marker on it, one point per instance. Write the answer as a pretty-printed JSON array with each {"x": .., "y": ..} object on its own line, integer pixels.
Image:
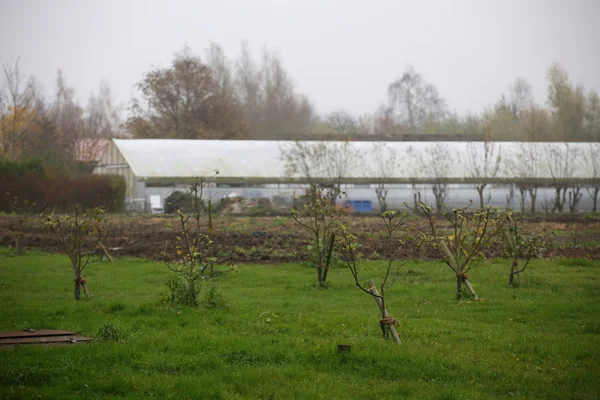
[
  {"x": 483, "y": 165},
  {"x": 381, "y": 163},
  {"x": 591, "y": 165},
  {"x": 561, "y": 159},
  {"x": 435, "y": 165},
  {"x": 323, "y": 164},
  {"x": 522, "y": 163}
]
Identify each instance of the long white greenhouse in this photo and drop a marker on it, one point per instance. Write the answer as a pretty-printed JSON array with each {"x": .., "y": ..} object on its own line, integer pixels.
[{"x": 154, "y": 168}]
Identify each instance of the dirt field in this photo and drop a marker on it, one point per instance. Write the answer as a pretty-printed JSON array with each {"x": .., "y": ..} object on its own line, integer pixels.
[{"x": 278, "y": 239}]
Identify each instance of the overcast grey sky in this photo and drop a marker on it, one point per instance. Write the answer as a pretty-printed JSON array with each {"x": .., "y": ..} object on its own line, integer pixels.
[{"x": 341, "y": 54}]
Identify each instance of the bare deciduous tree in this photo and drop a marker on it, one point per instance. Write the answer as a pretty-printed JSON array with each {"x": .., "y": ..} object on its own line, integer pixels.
[
  {"x": 342, "y": 122},
  {"x": 434, "y": 165},
  {"x": 567, "y": 104},
  {"x": 415, "y": 101},
  {"x": 591, "y": 165},
  {"x": 323, "y": 164},
  {"x": 381, "y": 164},
  {"x": 271, "y": 106},
  {"x": 523, "y": 165},
  {"x": 483, "y": 165},
  {"x": 561, "y": 161}
]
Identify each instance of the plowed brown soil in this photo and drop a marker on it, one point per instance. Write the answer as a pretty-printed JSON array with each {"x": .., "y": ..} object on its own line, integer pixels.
[{"x": 278, "y": 239}]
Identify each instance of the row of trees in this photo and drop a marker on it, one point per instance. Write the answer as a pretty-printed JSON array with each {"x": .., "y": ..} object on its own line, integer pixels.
[
  {"x": 214, "y": 97},
  {"x": 211, "y": 97},
  {"x": 328, "y": 164},
  {"x": 51, "y": 127},
  {"x": 415, "y": 107}
]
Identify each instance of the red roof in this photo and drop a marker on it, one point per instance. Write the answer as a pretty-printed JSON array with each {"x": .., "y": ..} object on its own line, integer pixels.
[{"x": 90, "y": 150}]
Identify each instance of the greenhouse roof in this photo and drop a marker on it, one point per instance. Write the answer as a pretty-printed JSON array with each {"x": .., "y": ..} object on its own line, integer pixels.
[{"x": 265, "y": 160}]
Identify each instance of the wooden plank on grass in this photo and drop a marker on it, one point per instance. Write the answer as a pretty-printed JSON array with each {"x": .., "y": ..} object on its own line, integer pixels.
[{"x": 34, "y": 333}]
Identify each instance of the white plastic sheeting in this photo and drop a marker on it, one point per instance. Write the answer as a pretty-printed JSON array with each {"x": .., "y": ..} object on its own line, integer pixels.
[{"x": 164, "y": 158}]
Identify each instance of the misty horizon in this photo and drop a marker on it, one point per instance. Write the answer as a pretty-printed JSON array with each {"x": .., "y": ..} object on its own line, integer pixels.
[{"x": 339, "y": 57}]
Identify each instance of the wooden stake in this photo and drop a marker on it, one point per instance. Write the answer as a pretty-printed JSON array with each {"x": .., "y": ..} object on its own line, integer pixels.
[
  {"x": 468, "y": 284},
  {"x": 383, "y": 311},
  {"x": 451, "y": 259},
  {"x": 454, "y": 266},
  {"x": 103, "y": 249}
]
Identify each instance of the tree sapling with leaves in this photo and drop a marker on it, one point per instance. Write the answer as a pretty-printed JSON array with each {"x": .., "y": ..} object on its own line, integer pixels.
[
  {"x": 195, "y": 250},
  {"x": 78, "y": 232},
  {"x": 397, "y": 235},
  {"x": 320, "y": 217},
  {"x": 462, "y": 250},
  {"x": 519, "y": 247}
]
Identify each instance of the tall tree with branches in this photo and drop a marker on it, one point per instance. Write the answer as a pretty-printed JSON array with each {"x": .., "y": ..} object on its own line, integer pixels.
[
  {"x": 415, "y": 101},
  {"x": 185, "y": 102}
]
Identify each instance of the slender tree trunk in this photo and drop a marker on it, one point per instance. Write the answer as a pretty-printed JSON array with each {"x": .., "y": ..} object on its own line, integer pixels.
[
  {"x": 384, "y": 314},
  {"x": 459, "y": 293},
  {"x": 533, "y": 197},
  {"x": 328, "y": 260},
  {"x": 595, "y": 199},
  {"x": 19, "y": 243},
  {"x": 513, "y": 269},
  {"x": 480, "y": 190},
  {"x": 523, "y": 194},
  {"x": 320, "y": 280}
]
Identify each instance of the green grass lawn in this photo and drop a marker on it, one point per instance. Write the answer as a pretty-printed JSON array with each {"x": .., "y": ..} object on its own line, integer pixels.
[{"x": 278, "y": 338}]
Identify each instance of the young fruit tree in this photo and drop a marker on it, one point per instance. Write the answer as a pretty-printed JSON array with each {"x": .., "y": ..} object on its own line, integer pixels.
[
  {"x": 194, "y": 250},
  {"x": 462, "y": 249},
  {"x": 519, "y": 247},
  {"x": 323, "y": 166},
  {"x": 397, "y": 235},
  {"x": 320, "y": 217},
  {"x": 79, "y": 233},
  {"x": 195, "y": 256}
]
